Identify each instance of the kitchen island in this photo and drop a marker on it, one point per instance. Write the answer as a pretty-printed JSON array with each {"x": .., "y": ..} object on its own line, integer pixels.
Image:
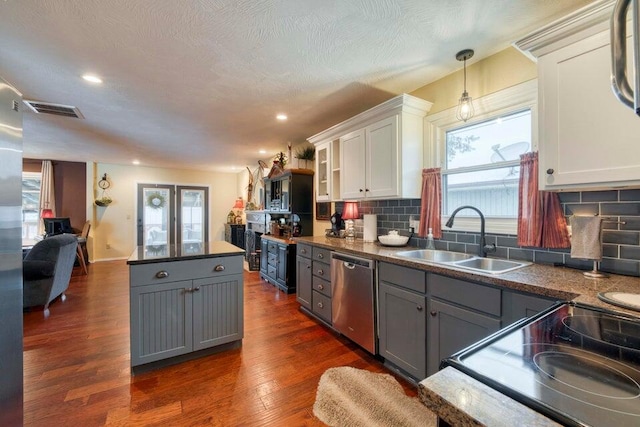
[
  {"x": 453, "y": 396},
  {"x": 186, "y": 301}
]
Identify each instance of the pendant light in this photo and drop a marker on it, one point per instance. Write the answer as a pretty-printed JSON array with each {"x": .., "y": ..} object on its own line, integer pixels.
[{"x": 465, "y": 104}]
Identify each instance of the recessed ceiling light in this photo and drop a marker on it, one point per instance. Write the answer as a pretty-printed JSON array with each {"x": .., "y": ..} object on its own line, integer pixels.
[
  {"x": 282, "y": 117},
  {"x": 92, "y": 78},
  {"x": 262, "y": 151},
  {"x": 136, "y": 162}
]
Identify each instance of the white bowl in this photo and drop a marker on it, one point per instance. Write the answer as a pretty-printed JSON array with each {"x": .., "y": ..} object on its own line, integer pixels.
[{"x": 393, "y": 240}]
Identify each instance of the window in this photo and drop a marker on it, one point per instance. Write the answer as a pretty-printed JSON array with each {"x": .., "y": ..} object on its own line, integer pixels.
[
  {"x": 31, "y": 182},
  {"x": 480, "y": 161}
]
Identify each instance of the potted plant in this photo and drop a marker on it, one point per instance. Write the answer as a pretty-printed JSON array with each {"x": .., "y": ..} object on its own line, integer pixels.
[
  {"x": 306, "y": 154},
  {"x": 104, "y": 201}
]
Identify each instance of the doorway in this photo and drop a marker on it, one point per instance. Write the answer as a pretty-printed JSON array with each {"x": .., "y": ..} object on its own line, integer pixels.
[{"x": 172, "y": 214}]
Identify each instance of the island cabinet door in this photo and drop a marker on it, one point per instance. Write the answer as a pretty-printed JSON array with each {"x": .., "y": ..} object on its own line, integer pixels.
[
  {"x": 217, "y": 311},
  {"x": 160, "y": 321},
  {"x": 403, "y": 329}
]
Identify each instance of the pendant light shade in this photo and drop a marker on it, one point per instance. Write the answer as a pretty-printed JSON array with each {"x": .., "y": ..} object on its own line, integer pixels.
[{"x": 465, "y": 108}]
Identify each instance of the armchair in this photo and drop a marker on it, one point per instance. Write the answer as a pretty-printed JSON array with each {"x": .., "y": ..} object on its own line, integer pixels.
[{"x": 46, "y": 270}]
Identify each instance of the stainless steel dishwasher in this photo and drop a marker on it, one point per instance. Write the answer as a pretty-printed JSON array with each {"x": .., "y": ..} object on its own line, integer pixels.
[{"x": 352, "y": 301}]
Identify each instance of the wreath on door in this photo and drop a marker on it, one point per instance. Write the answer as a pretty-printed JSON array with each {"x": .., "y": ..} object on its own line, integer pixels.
[{"x": 156, "y": 200}]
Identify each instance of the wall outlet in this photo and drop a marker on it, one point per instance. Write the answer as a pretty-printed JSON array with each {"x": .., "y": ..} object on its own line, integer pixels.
[{"x": 415, "y": 224}]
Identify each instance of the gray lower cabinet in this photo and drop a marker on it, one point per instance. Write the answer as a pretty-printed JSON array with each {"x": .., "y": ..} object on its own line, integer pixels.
[
  {"x": 321, "y": 283},
  {"x": 460, "y": 314},
  {"x": 174, "y": 317},
  {"x": 453, "y": 328},
  {"x": 402, "y": 326},
  {"x": 516, "y": 306},
  {"x": 303, "y": 275}
]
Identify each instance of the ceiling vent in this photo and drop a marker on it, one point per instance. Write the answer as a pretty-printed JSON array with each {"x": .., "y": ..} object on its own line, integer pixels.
[{"x": 55, "y": 109}]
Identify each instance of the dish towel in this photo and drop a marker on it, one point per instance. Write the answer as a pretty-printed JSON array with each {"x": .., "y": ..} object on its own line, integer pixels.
[{"x": 585, "y": 237}]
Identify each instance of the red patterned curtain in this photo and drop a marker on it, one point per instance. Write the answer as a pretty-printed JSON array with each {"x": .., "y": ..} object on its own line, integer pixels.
[
  {"x": 431, "y": 205},
  {"x": 541, "y": 222},
  {"x": 554, "y": 224}
]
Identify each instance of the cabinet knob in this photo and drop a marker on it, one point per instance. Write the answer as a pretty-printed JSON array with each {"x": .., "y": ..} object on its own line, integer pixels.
[
  {"x": 218, "y": 267},
  {"x": 321, "y": 256},
  {"x": 366, "y": 189},
  {"x": 162, "y": 274},
  {"x": 320, "y": 272},
  {"x": 433, "y": 313},
  {"x": 361, "y": 190},
  {"x": 303, "y": 251},
  {"x": 419, "y": 308},
  {"x": 308, "y": 266},
  {"x": 320, "y": 305},
  {"x": 321, "y": 287},
  {"x": 196, "y": 289},
  {"x": 550, "y": 171}
]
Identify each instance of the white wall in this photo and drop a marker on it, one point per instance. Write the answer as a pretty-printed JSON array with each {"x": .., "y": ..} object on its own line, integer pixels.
[{"x": 115, "y": 225}]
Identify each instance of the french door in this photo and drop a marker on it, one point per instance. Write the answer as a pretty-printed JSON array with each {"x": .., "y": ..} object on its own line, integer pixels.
[{"x": 172, "y": 214}]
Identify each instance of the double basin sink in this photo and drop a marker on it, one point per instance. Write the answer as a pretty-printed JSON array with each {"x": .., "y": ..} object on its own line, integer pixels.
[{"x": 464, "y": 261}]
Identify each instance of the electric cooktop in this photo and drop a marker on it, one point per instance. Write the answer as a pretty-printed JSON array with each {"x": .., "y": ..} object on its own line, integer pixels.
[{"x": 577, "y": 364}]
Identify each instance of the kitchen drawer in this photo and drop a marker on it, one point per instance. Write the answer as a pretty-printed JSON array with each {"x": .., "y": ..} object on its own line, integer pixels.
[
  {"x": 321, "y": 305},
  {"x": 272, "y": 247},
  {"x": 320, "y": 254},
  {"x": 304, "y": 250},
  {"x": 272, "y": 258},
  {"x": 405, "y": 277},
  {"x": 271, "y": 271},
  {"x": 172, "y": 271},
  {"x": 322, "y": 286},
  {"x": 467, "y": 294},
  {"x": 322, "y": 270}
]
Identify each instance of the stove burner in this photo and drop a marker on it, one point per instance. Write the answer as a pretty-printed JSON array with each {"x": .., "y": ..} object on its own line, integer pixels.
[
  {"x": 604, "y": 330},
  {"x": 587, "y": 373}
]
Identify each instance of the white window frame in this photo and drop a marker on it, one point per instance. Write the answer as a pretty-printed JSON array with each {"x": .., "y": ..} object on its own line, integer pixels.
[
  {"x": 510, "y": 100},
  {"x": 31, "y": 175}
]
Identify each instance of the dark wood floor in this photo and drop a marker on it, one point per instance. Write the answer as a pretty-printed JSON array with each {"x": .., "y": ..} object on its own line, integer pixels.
[{"x": 76, "y": 363}]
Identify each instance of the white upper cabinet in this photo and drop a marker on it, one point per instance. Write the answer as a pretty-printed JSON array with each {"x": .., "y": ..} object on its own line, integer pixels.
[
  {"x": 378, "y": 153},
  {"x": 587, "y": 138}
]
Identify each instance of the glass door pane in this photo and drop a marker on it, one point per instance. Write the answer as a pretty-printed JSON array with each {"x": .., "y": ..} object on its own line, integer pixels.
[
  {"x": 192, "y": 215},
  {"x": 156, "y": 223}
]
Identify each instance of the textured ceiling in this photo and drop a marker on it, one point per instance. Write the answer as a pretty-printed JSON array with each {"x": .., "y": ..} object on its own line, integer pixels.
[{"x": 197, "y": 83}]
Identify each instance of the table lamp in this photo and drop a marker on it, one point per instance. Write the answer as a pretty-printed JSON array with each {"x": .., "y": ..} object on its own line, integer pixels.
[{"x": 349, "y": 213}]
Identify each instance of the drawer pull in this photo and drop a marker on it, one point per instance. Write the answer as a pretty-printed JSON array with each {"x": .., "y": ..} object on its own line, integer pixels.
[
  {"x": 320, "y": 272},
  {"x": 419, "y": 308},
  {"x": 303, "y": 251},
  {"x": 320, "y": 305},
  {"x": 433, "y": 313},
  {"x": 188, "y": 290},
  {"x": 162, "y": 274},
  {"x": 321, "y": 256},
  {"x": 321, "y": 287},
  {"x": 219, "y": 267}
]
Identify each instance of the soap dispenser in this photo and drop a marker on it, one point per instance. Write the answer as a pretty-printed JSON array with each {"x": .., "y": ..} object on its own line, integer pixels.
[{"x": 430, "y": 243}]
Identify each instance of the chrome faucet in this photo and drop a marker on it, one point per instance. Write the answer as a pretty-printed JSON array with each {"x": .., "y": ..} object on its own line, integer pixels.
[{"x": 483, "y": 248}]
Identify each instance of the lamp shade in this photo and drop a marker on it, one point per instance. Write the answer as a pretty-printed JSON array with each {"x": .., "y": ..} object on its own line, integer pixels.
[
  {"x": 239, "y": 203},
  {"x": 350, "y": 211},
  {"x": 47, "y": 213}
]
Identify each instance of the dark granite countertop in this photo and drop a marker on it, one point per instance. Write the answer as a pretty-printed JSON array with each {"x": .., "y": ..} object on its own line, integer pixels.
[
  {"x": 545, "y": 280},
  {"x": 165, "y": 253}
]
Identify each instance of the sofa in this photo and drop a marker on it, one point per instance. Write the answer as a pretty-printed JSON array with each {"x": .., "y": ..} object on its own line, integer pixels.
[{"x": 46, "y": 270}]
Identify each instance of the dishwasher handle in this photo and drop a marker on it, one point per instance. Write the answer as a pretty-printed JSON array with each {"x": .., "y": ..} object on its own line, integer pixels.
[{"x": 351, "y": 262}]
